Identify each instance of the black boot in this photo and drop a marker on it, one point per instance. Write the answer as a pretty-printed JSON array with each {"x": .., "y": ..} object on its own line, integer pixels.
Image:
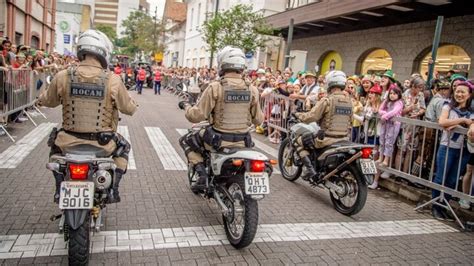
[
  {"x": 114, "y": 196},
  {"x": 58, "y": 178},
  {"x": 201, "y": 183},
  {"x": 308, "y": 170}
]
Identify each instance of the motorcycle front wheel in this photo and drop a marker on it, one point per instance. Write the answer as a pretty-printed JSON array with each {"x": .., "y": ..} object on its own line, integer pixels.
[
  {"x": 192, "y": 177},
  {"x": 355, "y": 191},
  {"x": 241, "y": 223},
  {"x": 79, "y": 243},
  {"x": 286, "y": 161}
]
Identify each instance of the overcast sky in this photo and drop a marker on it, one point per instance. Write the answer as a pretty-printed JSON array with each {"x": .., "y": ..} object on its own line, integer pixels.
[{"x": 157, "y": 3}]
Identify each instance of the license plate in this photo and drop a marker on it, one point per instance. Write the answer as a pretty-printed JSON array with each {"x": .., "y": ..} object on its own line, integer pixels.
[
  {"x": 76, "y": 195},
  {"x": 257, "y": 183},
  {"x": 368, "y": 167}
]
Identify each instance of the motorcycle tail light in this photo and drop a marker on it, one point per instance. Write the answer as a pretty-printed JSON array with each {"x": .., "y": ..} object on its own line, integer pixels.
[
  {"x": 257, "y": 166},
  {"x": 237, "y": 162},
  {"x": 78, "y": 171},
  {"x": 366, "y": 153}
]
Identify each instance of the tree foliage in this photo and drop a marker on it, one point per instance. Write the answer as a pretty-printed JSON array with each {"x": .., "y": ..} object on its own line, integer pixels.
[
  {"x": 107, "y": 30},
  {"x": 238, "y": 26},
  {"x": 140, "y": 34}
]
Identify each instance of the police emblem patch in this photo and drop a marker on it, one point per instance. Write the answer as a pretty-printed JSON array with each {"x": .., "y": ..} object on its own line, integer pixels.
[
  {"x": 89, "y": 90},
  {"x": 237, "y": 96},
  {"x": 341, "y": 110}
]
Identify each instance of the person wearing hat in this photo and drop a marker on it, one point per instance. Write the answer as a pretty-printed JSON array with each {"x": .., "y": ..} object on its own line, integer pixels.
[
  {"x": 455, "y": 79},
  {"x": 367, "y": 84},
  {"x": 387, "y": 79},
  {"x": 310, "y": 87},
  {"x": 442, "y": 93},
  {"x": 20, "y": 61}
]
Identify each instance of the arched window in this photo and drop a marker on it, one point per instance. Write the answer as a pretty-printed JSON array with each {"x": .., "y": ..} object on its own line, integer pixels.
[
  {"x": 449, "y": 57},
  {"x": 35, "y": 42},
  {"x": 376, "y": 61},
  {"x": 330, "y": 61}
]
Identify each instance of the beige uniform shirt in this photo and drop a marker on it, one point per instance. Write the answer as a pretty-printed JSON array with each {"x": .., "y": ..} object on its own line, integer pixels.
[
  {"x": 205, "y": 107},
  {"x": 89, "y": 68}
]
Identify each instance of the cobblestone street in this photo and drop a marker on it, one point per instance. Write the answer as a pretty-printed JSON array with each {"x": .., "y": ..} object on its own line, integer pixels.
[{"x": 160, "y": 221}]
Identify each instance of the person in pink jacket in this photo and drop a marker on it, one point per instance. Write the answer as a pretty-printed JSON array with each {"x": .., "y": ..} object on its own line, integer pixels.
[{"x": 390, "y": 108}]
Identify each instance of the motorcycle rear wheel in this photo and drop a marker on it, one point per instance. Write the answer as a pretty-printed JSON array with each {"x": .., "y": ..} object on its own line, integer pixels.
[
  {"x": 356, "y": 195},
  {"x": 283, "y": 158},
  {"x": 79, "y": 243},
  {"x": 241, "y": 224}
]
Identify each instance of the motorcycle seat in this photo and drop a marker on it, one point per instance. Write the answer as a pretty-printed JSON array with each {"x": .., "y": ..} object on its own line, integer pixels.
[
  {"x": 85, "y": 149},
  {"x": 230, "y": 150},
  {"x": 334, "y": 145}
]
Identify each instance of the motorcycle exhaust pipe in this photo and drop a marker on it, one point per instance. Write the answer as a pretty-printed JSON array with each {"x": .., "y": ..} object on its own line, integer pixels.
[{"x": 344, "y": 164}]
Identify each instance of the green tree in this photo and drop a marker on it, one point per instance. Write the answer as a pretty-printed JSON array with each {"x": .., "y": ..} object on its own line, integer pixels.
[
  {"x": 238, "y": 26},
  {"x": 141, "y": 33},
  {"x": 107, "y": 30}
]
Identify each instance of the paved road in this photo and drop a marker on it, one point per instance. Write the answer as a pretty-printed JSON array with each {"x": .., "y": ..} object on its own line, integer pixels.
[{"x": 159, "y": 221}]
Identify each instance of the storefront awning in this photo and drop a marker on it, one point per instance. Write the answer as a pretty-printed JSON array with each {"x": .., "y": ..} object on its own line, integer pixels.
[{"x": 329, "y": 16}]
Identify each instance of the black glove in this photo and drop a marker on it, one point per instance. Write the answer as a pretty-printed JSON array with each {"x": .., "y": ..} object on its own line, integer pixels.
[{"x": 182, "y": 105}]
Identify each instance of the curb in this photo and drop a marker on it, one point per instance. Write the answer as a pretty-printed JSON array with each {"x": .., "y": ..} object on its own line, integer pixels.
[{"x": 419, "y": 195}]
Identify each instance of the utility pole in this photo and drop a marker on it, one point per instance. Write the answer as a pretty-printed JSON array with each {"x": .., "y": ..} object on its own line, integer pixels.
[
  {"x": 155, "y": 37},
  {"x": 212, "y": 52}
]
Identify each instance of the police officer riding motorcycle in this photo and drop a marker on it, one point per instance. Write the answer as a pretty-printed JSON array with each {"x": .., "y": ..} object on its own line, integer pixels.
[
  {"x": 88, "y": 157},
  {"x": 320, "y": 139},
  {"x": 91, "y": 97},
  {"x": 221, "y": 164},
  {"x": 333, "y": 114},
  {"x": 230, "y": 105}
]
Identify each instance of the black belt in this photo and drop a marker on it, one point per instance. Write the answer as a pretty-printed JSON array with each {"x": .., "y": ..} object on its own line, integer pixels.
[
  {"x": 85, "y": 136},
  {"x": 232, "y": 137}
]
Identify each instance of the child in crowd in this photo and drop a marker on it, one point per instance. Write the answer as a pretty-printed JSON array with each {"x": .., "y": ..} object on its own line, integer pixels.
[{"x": 390, "y": 108}]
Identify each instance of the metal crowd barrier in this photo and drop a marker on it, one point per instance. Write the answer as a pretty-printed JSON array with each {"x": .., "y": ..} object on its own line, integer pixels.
[
  {"x": 415, "y": 150},
  {"x": 18, "y": 91}
]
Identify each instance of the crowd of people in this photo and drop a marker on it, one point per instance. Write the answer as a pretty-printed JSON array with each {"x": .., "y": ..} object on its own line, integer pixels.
[
  {"x": 15, "y": 56},
  {"x": 377, "y": 100}
]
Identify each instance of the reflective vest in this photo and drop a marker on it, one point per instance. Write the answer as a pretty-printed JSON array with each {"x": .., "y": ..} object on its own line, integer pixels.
[
  {"x": 232, "y": 111},
  {"x": 141, "y": 74},
  {"x": 157, "y": 75},
  {"x": 118, "y": 70},
  {"x": 338, "y": 119},
  {"x": 87, "y": 104}
]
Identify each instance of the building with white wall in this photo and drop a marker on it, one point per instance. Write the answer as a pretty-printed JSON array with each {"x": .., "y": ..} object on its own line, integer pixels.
[
  {"x": 28, "y": 22},
  {"x": 196, "y": 52},
  {"x": 114, "y": 12},
  {"x": 72, "y": 18},
  {"x": 174, "y": 17}
]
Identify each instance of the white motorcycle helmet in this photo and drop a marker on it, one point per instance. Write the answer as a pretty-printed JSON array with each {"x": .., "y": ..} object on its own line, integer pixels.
[
  {"x": 96, "y": 43},
  {"x": 230, "y": 58},
  {"x": 336, "y": 78}
]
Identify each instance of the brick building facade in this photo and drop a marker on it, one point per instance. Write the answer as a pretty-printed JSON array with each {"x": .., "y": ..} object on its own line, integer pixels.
[
  {"x": 29, "y": 22},
  {"x": 407, "y": 44}
]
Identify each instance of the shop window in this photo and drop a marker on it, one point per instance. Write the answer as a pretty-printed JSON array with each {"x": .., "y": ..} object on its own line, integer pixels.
[
  {"x": 18, "y": 38},
  {"x": 376, "y": 62},
  {"x": 35, "y": 42},
  {"x": 449, "y": 57},
  {"x": 330, "y": 61}
]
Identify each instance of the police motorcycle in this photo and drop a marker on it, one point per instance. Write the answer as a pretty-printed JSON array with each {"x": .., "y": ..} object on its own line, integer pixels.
[
  {"x": 344, "y": 168},
  {"x": 88, "y": 175},
  {"x": 238, "y": 179}
]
